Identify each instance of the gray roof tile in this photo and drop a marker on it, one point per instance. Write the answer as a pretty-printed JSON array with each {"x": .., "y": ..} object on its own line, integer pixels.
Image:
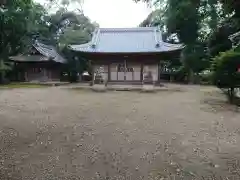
[
  {"x": 126, "y": 40},
  {"x": 49, "y": 51}
]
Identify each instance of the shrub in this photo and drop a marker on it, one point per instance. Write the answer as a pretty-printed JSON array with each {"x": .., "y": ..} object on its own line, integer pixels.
[
  {"x": 225, "y": 72},
  {"x": 181, "y": 75}
]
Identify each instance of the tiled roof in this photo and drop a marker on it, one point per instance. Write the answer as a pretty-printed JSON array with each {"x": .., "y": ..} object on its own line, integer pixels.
[
  {"x": 29, "y": 58},
  {"x": 47, "y": 53},
  {"x": 126, "y": 40}
]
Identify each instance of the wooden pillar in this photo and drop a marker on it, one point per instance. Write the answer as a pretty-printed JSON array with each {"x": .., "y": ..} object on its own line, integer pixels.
[
  {"x": 44, "y": 72},
  {"x": 133, "y": 78},
  {"x": 159, "y": 71},
  {"x": 125, "y": 68},
  {"x": 45, "y": 77},
  {"x": 93, "y": 74},
  {"x": 26, "y": 76},
  {"x": 141, "y": 73},
  {"x": 109, "y": 71},
  {"x": 117, "y": 71},
  {"x": 50, "y": 75},
  {"x": 15, "y": 72}
]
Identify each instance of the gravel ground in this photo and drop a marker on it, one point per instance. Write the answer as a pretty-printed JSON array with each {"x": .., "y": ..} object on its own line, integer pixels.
[{"x": 55, "y": 133}]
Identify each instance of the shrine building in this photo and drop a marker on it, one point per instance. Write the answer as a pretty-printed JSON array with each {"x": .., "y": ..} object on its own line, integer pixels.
[{"x": 127, "y": 55}]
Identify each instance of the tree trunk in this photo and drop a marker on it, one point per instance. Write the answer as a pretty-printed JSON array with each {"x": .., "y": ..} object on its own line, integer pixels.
[
  {"x": 231, "y": 95},
  {"x": 191, "y": 77},
  {"x": 1, "y": 77}
]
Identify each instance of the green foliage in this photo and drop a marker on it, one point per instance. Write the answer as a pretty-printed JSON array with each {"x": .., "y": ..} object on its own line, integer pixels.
[
  {"x": 232, "y": 7},
  {"x": 181, "y": 74},
  {"x": 52, "y": 5},
  {"x": 5, "y": 66},
  {"x": 77, "y": 32},
  {"x": 225, "y": 68},
  {"x": 13, "y": 26},
  {"x": 203, "y": 26},
  {"x": 219, "y": 41},
  {"x": 183, "y": 19},
  {"x": 157, "y": 17},
  {"x": 76, "y": 65},
  {"x": 225, "y": 72},
  {"x": 195, "y": 58},
  {"x": 23, "y": 21}
]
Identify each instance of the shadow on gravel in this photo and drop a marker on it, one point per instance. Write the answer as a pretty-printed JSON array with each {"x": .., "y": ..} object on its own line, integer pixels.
[{"x": 217, "y": 102}]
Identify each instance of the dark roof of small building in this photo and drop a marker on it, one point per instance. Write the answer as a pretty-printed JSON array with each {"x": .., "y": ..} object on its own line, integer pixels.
[
  {"x": 29, "y": 58},
  {"x": 126, "y": 40},
  {"x": 48, "y": 53}
]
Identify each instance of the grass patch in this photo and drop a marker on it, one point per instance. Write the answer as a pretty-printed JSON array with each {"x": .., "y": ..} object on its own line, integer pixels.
[{"x": 22, "y": 85}]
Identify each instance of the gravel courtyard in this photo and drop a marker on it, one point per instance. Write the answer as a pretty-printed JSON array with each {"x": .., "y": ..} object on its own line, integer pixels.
[{"x": 56, "y": 133}]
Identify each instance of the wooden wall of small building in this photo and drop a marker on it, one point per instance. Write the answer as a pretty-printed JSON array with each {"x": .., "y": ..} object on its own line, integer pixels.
[
  {"x": 42, "y": 74},
  {"x": 38, "y": 72}
]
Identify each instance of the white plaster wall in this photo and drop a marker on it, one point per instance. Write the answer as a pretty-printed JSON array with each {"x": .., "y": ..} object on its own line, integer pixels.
[
  {"x": 137, "y": 72},
  {"x": 113, "y": 71},
  {"x": 121, "y": 76},
  {"x": 129, "y": 76}
]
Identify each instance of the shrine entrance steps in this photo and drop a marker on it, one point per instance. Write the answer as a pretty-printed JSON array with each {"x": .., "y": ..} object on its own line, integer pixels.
[{"x": 125, "y": 87}]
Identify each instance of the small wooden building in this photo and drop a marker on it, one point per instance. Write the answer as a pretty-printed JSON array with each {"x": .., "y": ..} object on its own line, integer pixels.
[
  {"x": 40, "y": 63},
  {"x": 127, "y": 55}
]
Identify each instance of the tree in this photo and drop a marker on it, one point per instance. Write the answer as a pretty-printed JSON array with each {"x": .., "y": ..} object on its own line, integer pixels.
[
  {"x": 157, "y": 17},
  {"x": 71, "y": 28},
  {"x": 76, "y": 65},
  {"x": 232, "y": 7},
  {"x": 67, "y": 27},
  {"x": 52, "y": 5},
  {"x": 13, "y": 26},
  {"x": 197, "y": 25},
  {"x": 226, "y": 73},
  {"x": 219, "y": 41},
  {"x": 23, "y": 21},
  {"x": 79, "y": 32},
  {"x": 183, "y": 18},
  {"x": 16, "y": 24}
]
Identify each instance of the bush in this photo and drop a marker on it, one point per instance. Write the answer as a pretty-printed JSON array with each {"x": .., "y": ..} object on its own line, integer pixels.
[
  {"x": 225, "y": 72},
  {"x": 181, "y": 75}
]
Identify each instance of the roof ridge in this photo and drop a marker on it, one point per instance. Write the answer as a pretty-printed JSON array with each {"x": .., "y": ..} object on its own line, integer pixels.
[{"x": 127, "y": 29}]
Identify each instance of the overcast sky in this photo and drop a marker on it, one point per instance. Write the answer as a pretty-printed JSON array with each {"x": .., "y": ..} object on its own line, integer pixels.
[{"x": 115, "y": 13}]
